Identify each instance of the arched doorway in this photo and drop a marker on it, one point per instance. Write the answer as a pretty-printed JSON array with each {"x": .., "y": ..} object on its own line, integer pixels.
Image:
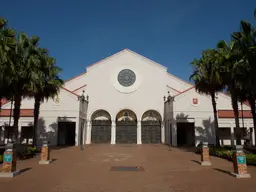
[
  {"x": 101, "y": 127},
  {"x": 126, "y": 127},
  {"x": 151, "y": 127}
]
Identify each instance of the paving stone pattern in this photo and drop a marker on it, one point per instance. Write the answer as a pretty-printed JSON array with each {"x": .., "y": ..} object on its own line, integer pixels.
[{"x": 89, "y": 171}]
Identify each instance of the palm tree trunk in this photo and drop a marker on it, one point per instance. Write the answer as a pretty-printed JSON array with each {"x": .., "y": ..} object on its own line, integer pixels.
[
  {"x": 234, "y": 101},
  {"x": 216, "y": 123},
  {"x": 252, "y": 104},
  {"x": 16, "y": 115},
  {"x": 36, "y": 115}
]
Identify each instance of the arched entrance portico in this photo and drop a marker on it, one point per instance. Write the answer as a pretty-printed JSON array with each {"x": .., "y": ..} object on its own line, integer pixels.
[
  {"x": 126, "y": 127},
  {"x": 101, "y": 127},
  {"x": 151, "y": 127}
]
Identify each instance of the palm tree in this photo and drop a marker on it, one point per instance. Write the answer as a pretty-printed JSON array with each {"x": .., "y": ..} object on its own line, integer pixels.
[
  {"x": 245, "y": 40},
  {"x": 7, "y": 52},
  {"x": 229, "y": 57},
  {"x": 46, "y": 84},
  {"x": 24, "y": 59},
  {"x": 208, "y": 81}
]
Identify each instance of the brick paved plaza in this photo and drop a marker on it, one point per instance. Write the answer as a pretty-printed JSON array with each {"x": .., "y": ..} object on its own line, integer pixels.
[{"x": 89, "y": 170}]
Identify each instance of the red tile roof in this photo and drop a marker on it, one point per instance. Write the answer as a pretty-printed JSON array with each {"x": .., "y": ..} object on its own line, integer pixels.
[
  {"x": 230, "y": 114},
  {"x": 23, "y": 113}
]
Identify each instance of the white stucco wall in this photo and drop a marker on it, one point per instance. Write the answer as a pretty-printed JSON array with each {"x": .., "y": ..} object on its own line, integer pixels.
[
  {"x": 26, "y": 103},
  {"x": 104, "y": 92},
  {"x": 224, "y": 103},
  {"x": 50, "y": 114},
  {"x": 76, "y": 82},
  {"x": 177, "y": 83},
  {"x": 171, "y": 90}
]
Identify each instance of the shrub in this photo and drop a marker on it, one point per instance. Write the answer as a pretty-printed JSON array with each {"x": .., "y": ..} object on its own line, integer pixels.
[
  {"x": 31, "y": 150},
  {"x": 251, "y": 159}
]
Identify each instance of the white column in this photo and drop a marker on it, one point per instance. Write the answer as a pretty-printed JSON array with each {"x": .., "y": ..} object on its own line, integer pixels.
[
  {"x": 5, "y": 132},
  {"x": 253, "y": 136},
  {"x": 88, "y": 132},
  {"x": 78, "y": 131},
  {"x": 162, "y": 132},
  {"x": 233, "y": 138},
  {"x": 113, "y": 132},
  {"x": 139, "y": 132},
  {"x": 84, "y": 131},
  {"x": 168, "y": 127},
  {"x": 19, "y": 140},
  {"x": 1, "y": 134},
  {"x": 174, "y": 133}
]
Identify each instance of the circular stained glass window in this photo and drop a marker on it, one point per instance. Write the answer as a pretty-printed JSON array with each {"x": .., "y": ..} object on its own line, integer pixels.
[{"x": 126, "y": 77}]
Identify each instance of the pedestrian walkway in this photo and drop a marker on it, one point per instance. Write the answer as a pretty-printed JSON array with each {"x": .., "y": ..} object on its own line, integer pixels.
[{"x": 160, "y": 170}]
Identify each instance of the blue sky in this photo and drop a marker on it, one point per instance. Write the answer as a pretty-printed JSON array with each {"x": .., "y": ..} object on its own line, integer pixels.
[{"x": 171, "y": 32}]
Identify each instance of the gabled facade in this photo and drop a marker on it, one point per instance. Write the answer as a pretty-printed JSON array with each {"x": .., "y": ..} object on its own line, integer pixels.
[{"x": 125, "y": 104}]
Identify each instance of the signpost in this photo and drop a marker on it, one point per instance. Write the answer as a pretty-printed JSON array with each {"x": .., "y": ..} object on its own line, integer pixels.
[
  {"x": 45, "y": 154},
  {"x": 9, "y": 162},
  {"x": 205, "y": 156},
  {"x": 239, "y": 163}
]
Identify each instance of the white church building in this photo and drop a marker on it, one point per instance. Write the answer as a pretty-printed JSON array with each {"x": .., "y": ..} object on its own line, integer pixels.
[{"x": 128, "y": 98}]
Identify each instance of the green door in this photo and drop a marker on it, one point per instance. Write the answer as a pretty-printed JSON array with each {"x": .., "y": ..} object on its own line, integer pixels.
[
  {"x": 101, "y": 131},
  {"x": 126, "y": 132}
]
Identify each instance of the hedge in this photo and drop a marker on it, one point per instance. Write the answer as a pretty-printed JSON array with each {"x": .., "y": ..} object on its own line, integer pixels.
[{"x": 226, "y": 152}]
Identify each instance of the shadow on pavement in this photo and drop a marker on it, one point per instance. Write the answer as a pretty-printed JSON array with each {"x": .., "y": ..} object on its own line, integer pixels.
[
  {"x": 25, "y": 170},
  {"x": 195, "y": 161},
  {"x": 60, "y": 147},
  {"x": 222, "y": 171},
  {"x": 187, "y": 149}
]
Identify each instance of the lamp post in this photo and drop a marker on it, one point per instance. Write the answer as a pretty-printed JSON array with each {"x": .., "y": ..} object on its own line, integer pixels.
[
  {"x": 170, "y": 100},
  {"x": 81, "y": 100}
]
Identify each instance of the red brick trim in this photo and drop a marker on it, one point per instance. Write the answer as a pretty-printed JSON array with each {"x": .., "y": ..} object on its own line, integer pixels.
[
  {"x": 79, "y": 88},
  {"x": 186, "y": 90},
  {"x": 69, "y": 91}
]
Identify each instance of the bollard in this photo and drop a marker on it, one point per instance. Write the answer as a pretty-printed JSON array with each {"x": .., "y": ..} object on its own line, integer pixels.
[
  {"x": 9, "y": 162},
  {"x": 239, "y": 163},
  {"x": 205, "y": 157},
  {"x": 45, "y": 154}
]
